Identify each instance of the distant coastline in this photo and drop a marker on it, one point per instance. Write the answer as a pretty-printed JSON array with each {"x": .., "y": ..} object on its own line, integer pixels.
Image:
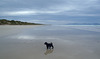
[
  {"x": 83, "y": 24},
  {"x": 13, "y": 22}
]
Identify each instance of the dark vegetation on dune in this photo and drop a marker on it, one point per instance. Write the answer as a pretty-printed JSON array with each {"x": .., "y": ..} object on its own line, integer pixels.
[{"x": 13, "y": 22}]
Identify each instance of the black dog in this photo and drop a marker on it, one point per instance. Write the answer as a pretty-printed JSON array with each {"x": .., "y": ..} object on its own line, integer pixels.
[{"x": 49, "y": 45}]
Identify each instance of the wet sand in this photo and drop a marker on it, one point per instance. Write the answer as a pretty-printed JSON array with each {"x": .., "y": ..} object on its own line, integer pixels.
[{"x": 70, "y": 42}]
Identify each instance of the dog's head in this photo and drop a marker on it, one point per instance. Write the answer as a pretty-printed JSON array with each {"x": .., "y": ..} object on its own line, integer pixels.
[{"x": 45, "y": 43}]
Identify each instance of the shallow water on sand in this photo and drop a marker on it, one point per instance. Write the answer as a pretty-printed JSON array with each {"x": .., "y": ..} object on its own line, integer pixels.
[{"x": 70, "y": 42}]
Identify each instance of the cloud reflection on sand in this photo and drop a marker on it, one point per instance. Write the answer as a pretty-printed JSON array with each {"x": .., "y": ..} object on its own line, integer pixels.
[
  {"x": 45, "y": 38},
  {"x": 22, "y": 37},
  {"x": 26, "y": 37}
]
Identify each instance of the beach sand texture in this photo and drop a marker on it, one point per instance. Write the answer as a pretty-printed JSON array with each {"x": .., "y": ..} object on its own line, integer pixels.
[{"x": 70, "y": 42}]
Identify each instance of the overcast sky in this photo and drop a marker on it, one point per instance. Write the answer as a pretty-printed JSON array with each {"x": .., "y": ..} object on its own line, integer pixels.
[{"x": 51, "y": 11}]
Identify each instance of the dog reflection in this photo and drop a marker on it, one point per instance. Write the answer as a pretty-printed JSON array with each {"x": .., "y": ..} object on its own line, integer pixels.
[{"x": 48, "y": 51}]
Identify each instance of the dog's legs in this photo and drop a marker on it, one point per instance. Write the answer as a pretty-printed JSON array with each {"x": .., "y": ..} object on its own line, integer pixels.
[
  {"x": 52, "y": 47},
  {"x": 47, "y": 47}
]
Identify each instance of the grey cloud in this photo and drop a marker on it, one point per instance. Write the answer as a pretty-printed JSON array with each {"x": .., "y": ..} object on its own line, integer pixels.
[
  {"x": 46, "y": 4},
  {"x": 28, "y": 4},
  {"x": 73, "y": 10}
]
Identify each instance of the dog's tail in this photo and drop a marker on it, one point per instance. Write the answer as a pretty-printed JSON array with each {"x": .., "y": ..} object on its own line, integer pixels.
[{"x": 52, "y": 45}]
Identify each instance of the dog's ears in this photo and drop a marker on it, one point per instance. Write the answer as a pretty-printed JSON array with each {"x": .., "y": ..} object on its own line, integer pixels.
[{"x": 45, "y": 43}]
